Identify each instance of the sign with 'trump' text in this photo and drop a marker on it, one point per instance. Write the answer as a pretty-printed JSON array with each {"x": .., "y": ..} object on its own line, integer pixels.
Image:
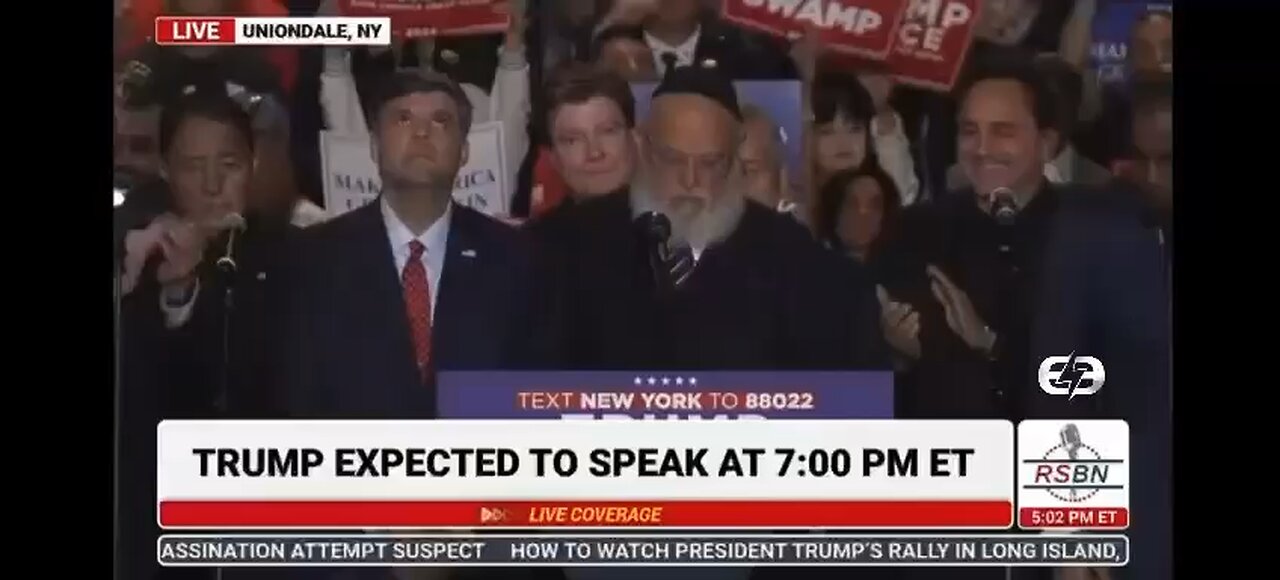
[
  {"x": 933, "y": 41},
  {"x": 351, "y": 177}
]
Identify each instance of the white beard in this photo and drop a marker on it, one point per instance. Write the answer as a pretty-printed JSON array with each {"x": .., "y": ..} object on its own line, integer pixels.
[{"x": 693, "y": 224}]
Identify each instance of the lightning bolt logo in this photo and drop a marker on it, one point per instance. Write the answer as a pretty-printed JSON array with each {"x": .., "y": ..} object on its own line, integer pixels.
[{"x": 1070, "y": 376}]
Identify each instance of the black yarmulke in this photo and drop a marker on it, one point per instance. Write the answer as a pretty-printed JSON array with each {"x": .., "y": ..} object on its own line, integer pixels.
[{"x": 705, "y": 81}]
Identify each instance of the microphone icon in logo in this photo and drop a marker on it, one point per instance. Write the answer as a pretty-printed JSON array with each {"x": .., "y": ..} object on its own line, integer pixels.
[{"x": 1072, "y": 443}]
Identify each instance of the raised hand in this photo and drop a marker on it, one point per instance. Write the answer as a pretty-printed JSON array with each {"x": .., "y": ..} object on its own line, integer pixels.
[
  {"x": 900, "y": 324},
  {"x": 962, "y": 317}
]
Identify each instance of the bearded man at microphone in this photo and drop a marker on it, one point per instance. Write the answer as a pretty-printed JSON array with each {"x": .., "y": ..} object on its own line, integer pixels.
[
  {"x": 681, "y": 271},
  {"x": 195, "y": 282}
]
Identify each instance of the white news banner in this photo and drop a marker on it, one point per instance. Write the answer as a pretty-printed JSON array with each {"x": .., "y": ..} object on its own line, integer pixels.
[
  {"x": 351, "y": 177},
  {"x": 517, "y": 474}
]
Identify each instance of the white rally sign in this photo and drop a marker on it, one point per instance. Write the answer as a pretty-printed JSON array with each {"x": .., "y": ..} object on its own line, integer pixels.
[{"x": 351, "y": 177}]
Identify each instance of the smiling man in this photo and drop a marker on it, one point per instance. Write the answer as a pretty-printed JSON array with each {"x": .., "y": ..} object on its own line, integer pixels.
[{"x": 970, "y": 274}]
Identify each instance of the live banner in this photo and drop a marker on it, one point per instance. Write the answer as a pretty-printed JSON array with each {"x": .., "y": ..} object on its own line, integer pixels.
[
  {"x": 933, "y": 42},
  {"x": 664, "y": 395},
  {"x": 1112, "y": 27},
  {"x": 429, "y": 18},
  {"x": 351, "y": 178},
  {"x": 863, "y": 28}
]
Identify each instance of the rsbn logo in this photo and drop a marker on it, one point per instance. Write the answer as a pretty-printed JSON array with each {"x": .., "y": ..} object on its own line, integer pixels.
[
  {"x": 1071, "y": 375},
  {"x": 1073, "y": 471}
]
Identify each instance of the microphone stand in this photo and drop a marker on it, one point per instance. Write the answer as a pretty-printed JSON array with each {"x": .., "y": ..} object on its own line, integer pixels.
[
  {"x": 227, "y": 269},
  {"x": 117, "y": 419}
]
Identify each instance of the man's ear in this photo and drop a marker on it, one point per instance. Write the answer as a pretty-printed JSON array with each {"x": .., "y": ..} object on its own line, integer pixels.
[
  {"x": 466, "y": 154},
  {"x": 374, "y": 153}
]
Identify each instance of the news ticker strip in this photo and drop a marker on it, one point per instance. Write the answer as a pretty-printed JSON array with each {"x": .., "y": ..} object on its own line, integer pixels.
[{"x": 642, "y": 550}]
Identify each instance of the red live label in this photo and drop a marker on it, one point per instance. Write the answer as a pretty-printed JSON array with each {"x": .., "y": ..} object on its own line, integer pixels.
[{"x": 180, "y": 30}]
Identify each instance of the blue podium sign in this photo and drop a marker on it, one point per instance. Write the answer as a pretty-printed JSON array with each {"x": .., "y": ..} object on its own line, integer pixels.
[{"x": 664, "y": 395}]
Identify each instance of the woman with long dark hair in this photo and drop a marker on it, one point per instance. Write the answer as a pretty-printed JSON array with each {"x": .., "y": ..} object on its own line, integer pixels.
[{"x": 856, "y": 207}]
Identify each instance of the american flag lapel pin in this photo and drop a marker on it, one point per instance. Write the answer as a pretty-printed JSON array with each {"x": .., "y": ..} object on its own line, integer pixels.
[{"x": 468, "y": 253}]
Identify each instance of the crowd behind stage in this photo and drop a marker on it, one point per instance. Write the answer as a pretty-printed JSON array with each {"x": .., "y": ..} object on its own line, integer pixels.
[{"x": 955, "y": 238}]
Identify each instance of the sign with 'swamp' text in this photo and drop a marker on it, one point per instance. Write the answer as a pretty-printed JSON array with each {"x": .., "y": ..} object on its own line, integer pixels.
[{"x": 858, "y": 27}]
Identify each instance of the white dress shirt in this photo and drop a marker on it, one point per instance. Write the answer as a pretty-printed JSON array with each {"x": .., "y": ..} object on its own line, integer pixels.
[
  {"x": 684, "y": 51},
  {"x": 436, "y": 240}
]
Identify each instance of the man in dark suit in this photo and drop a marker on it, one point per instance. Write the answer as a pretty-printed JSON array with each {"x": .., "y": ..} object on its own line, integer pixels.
[
  {"x": 683, "y": 272},
  {"x": 968, "y": 264},
  {"x": 1105, "y": 294},
  {"x": 194, "y": 332},
  {"x": 683, "y": 33},
  {"x": 387, "y": 295},
  {"x": 413, "y": 283}
]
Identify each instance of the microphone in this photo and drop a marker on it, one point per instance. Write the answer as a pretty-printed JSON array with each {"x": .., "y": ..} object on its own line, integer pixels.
[
  {"x": 232, "y": 223},
  {"x": 1003, "y": 207},
  {"x": 1071, "y": 440}
]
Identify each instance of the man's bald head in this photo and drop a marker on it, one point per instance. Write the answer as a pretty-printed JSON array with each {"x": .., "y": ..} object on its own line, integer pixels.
[
  {"x": 691, "y": 171},
  {"x": 691, "y": 146}
]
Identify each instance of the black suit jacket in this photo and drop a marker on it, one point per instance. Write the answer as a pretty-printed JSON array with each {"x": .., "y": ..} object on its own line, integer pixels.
[
  {"x": 768, "y": 297},
  {"x": 1106, "y": 294},
  {"x": 742, "y": 54},
  {"x": 178, "y": 373},
  {"x": 350, "y": 354}
]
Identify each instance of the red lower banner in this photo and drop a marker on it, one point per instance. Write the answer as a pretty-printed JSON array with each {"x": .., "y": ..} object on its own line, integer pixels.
[
  {"x": 1094, "y": 518},
  {"x": 996, "y": 514}
]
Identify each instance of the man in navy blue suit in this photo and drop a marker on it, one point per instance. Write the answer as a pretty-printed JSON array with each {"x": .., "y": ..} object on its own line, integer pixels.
[
  {"x": 413, "y": 283},
  {"x": 1106, "y": 295}
]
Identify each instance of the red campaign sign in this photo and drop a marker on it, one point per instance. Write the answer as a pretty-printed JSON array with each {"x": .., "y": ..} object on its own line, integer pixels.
[
  {"x": 864, "y": 28},
  {"x": 425, "y": 18},
  {"x": 933, "y": 41}
]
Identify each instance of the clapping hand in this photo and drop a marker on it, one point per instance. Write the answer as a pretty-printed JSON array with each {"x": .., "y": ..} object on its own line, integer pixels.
[
  {"x": 900, "y": 324},
  {"x": 962, "y": 317}
]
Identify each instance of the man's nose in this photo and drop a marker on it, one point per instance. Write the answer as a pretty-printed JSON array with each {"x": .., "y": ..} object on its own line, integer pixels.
[
  {"x": 213, "y": 178},
  {"x": 594, "y": 151},
  {"x": 689, "y": 175},
  {"x": 421, "y": 129},
  {"x": 984, "y": 144}
]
